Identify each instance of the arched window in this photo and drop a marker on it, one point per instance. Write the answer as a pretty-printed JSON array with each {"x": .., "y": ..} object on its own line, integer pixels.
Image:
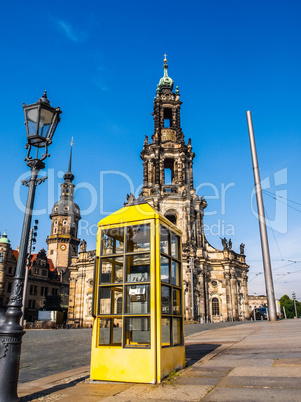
[
  {"x": 171, "y": 217},
  {"x": 169, "y": 171},
  {"x": 119, "y": 305},
  {"x": 167, "y": 117},
  {"x": 215, "y": 306}
]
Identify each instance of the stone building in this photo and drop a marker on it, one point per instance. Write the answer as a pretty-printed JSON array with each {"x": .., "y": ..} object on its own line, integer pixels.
[
  {"x": 215, "y": 281},
  {"x": 44, "y": 281},
  {"x": 65, "y": 215},
  {"x": 256, "y": 301}
]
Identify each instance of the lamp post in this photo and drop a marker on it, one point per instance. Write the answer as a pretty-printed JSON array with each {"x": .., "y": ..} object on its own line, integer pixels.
[
  {"x": 32, "y": 240},
  {"x": 41, "y": 121}
]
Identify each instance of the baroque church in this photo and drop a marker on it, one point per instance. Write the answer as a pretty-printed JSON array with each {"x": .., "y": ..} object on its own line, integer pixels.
[{"x": 215, "y": 281}]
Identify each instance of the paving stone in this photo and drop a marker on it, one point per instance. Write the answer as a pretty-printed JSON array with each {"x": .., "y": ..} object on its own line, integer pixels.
[
  {"x": 261, "y": 382},
  {"x": 220, "y": 394},
  {"x": 240, "y": 362},
  {"x": 164, "y": 392},
  {"x": 197, "y": 380},
  {"x": 287, "y": 363},
  {"x": 205, "y": 372},
  {"x": 266, "y": 372}
]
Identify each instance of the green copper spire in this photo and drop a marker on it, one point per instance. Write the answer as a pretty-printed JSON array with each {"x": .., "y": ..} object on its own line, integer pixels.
[
  {"x": 165, "y": 81},
  {"x": 4, "y": 238}
]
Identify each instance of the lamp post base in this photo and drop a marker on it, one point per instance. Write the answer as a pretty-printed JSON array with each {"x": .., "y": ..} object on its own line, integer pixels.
[{"x": 10, "y": 349}]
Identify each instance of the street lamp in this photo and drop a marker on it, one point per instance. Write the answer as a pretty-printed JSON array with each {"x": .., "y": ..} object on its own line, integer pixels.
[{"x": 41, "y": 121}]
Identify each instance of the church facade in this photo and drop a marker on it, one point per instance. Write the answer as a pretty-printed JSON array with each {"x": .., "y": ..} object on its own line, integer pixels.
[{"x": 215, "y": 280}]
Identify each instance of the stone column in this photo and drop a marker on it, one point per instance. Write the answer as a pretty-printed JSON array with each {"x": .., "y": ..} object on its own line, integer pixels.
[
  {"x": 198, "y": 230},
  {"x": 234, "y": 295},
  {"x": 162, "y": 173},
  {"x": 206, "y": 294},
  {"x": 245, "y": 295},
  {"x": 202, "y": 294},
  {"x": 228, "y": 296},
  {"x": 71, "y": 300},
  {"x": 191, "y": 174},
  {"x": 157, "y": 168},
  {"x": 145, "y": 173}
]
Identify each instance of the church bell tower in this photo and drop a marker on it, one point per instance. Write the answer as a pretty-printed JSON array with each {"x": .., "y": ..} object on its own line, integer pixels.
[
  {"x": 65, "y": 215},
  {"x": 167, "y": 166}
]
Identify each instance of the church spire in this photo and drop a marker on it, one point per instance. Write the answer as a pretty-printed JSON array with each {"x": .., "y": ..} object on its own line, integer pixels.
[
  {"x": 165, "y": 81},
  {"x": 69, "y": 176}
]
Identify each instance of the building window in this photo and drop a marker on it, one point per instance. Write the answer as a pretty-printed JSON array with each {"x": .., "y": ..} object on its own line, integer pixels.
[
  {"x": 44, "y": 272},
  {"x": 54, "y": 292},
  {"x": 37, "y": 271},
  {"x": 167, "y": 117},
  {"x": 51, "y": 252},
  {"x": 55, "y": 223},
  {"x": 65, "y": 222},
  {"x": 33, "y": 290},
  {"x": 9, "y": 285},
  {"x": 215, "y": 306},
  {"x": 214, "y": 283},
  {"x": 44, "y": 291},
  {"x": 31, "y": 303},
  {"x": 10, "y": 270},
  {"x": 55, "y": 231},
  {"x": 168, "y": 171},
  {"x": 1, "y": 257},
  {"x": 172, "y": 218}
]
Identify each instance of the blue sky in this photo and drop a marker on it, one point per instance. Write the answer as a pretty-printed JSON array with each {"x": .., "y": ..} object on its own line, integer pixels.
[{"x": 100, "y": 61}]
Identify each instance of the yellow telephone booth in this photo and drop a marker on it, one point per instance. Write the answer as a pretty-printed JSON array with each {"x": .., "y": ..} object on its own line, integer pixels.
[{"x": 138, "y": 330}]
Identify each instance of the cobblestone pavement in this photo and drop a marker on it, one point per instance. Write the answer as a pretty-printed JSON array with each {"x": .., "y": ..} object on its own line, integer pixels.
[
  {"x": 252, "y": 362},
  {"x": 47, "y": 352}
]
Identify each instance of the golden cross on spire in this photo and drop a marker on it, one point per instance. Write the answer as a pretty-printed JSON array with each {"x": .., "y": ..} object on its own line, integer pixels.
[{"x": 165, "y": 57}]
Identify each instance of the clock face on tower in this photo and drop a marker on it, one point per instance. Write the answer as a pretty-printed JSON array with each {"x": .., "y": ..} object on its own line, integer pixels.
[{"x": 63, "y": 247}]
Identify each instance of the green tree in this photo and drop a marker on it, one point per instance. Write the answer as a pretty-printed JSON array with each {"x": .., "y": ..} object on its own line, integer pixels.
[{"x": 288, "y": 304}]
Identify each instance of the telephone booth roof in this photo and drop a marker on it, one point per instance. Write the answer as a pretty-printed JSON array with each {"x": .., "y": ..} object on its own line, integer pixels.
[{"x": 137, "y": 212}]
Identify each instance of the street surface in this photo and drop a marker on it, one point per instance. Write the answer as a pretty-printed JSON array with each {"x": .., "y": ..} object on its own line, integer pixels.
[
  {"x": 47, "y": 352},
  {"x": 255, "y": 361}
]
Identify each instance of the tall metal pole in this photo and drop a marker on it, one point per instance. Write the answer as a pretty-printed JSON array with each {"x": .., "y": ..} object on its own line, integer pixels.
[
  {"x": 192, "y": 289},
  {"x": 11, "y": 331},
  {"x": 26, "y": 276},
  {"x": 294, "y": 298},
  {"x": 262, "y": 226}
]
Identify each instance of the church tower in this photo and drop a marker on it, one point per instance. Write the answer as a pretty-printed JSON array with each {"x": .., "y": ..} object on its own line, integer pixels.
[
  {"x": 168, "y": 186},
  {"x": 65, "y": 215},
  {"x": 168, "y": 167}
]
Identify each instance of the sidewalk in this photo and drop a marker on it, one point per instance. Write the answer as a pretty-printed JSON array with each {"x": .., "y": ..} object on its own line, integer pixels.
[{"x": 250, "y": 362}]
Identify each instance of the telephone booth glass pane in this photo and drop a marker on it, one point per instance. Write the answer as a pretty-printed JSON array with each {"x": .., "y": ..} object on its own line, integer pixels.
[
  {"x": 137, "y": 331},
  {"x": 112, "y": 241},
  {"x": 176, "y": 301},
  {"x": 175, "y": 273},
  {"x": 164, "y": 269},
  {"x": 111, "y": 270},
  {"x": 104, "y": 331},
  {"x": 117, "y": 331},
  {"x": 165, "y": 300},
  {"x": 109, "y": 299},
  {"x": 176, "y": 329},
  {"x": 175, "y": 246},
  {"x": 110, "y": 331},
  {"x": 138, "y": 238},
  {"x": 138, "y": 268},
  {"x": 164, "y": 240},
  {"x": 138, "y": 299},
  {"x": 165, "y": 331}
]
